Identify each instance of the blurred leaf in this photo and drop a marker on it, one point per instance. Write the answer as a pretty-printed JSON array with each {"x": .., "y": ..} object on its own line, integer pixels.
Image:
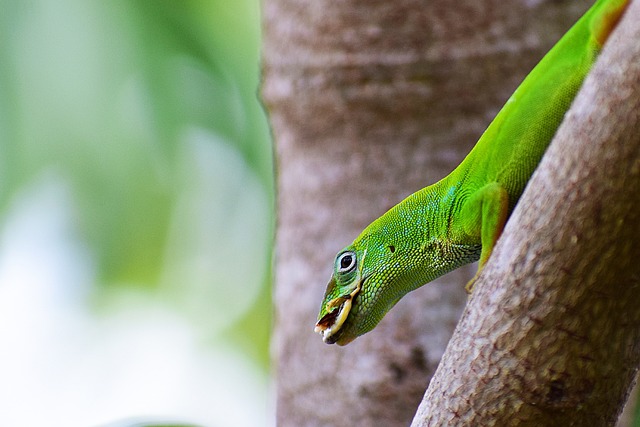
[{"x": 105, "y": 95}]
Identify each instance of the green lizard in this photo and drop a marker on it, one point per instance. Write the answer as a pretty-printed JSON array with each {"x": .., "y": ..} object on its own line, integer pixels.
[{"x": 459, "y": 219}]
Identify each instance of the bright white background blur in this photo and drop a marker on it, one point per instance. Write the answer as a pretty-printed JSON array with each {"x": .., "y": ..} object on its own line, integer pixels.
[{"x": 135, "y": 214}]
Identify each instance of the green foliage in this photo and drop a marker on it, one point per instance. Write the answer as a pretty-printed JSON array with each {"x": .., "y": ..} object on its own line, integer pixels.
[{"x": 147, "y": 110}]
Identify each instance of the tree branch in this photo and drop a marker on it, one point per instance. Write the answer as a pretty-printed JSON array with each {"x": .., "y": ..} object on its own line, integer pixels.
[{"x": 551, "y": 334}]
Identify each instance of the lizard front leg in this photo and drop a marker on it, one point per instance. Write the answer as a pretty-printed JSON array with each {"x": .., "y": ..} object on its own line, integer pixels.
[{"x": 483, "y": 216}]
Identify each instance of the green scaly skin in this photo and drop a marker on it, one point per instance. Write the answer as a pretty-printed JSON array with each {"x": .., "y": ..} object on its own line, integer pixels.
[{"x": 458, "y": 220}]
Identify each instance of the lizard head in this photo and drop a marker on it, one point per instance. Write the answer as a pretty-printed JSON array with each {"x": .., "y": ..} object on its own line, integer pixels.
[
  {"x": 343, "y": 289},
  {"x": 390, "y": 258},
  {"x": 366, "y": 283}
]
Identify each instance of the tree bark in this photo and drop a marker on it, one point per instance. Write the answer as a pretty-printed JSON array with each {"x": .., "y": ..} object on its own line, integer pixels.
[
  {"x": 551, "y": 336},
  {"x": 370, "y": 101}
]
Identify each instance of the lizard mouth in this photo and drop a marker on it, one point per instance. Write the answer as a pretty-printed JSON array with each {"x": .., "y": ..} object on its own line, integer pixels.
[
  {"x": 331, "y": 322},
  {"x": 329, "y": 325}
]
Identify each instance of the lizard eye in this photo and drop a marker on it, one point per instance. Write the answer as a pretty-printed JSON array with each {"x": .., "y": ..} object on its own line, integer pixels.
[{"x": 346, "y": 262}]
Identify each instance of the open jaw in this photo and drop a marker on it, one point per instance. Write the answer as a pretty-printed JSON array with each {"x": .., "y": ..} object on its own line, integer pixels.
[
  {"x": 329, "y": 325},
  {"x": 331, "y": 322}
]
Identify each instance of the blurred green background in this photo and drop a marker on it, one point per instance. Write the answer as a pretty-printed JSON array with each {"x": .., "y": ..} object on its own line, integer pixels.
[{"x": 136, "y": 208}]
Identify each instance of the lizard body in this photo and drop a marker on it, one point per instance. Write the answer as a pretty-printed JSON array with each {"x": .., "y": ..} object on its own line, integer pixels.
[{"x": 459, "y": 219}]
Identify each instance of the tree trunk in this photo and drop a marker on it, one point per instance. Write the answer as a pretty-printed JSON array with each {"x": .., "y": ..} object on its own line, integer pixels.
[
  {"x": 551, "y": 336},
  {"x": 370, "y": 101}
]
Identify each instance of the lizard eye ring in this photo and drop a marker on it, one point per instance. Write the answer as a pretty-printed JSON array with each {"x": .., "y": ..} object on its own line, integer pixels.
[{"x": 346, "y": 262}]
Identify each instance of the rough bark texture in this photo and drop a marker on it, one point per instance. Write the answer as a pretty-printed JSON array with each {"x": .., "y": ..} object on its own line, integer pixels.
[
  {"x": 369, "y": 101},
  {"x": 551, "y": 336}
]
